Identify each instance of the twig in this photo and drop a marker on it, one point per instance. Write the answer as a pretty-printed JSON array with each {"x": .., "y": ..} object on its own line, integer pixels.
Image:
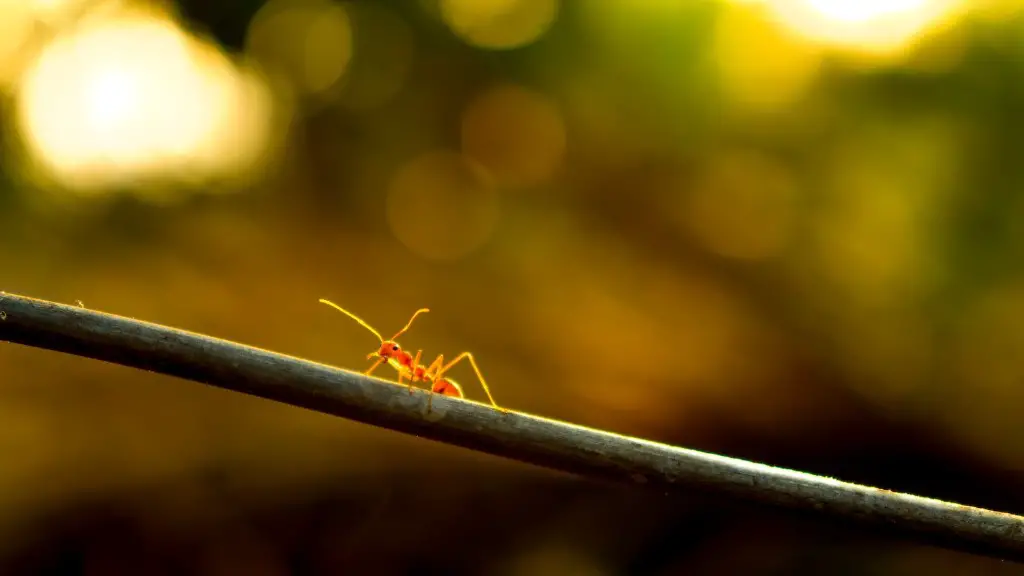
[{"x": 523, "y": 437}]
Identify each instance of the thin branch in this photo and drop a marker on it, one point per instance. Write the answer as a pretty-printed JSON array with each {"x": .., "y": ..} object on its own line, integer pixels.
[{"x": 523, "y": 437}]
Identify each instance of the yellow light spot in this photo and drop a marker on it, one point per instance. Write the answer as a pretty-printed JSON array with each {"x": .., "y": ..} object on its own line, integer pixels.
[
  {"x": 517, "y": 134},
  {"x": 743, "y": 208},
  {"x": 759, "y": 65},
  {"x": 878, "y": 27},
  {"x": 131, "y": 96},
  {"x": 886, "y": 188},
  {"x": 868, "y": 242},
  {"x": 864, "y": 11},
  {"x": 499, "y": 24},
  {"x": 17, "y": 19},
  {"x": 111, "y": 97},
  {"x": 55, "y": 9},
  {"x": 307, "y": 42},
  {"x": 442, "y": 205}
]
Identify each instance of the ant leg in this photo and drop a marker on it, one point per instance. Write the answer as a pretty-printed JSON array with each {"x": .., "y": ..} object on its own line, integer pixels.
[
  {"x": 431, "y": 372},
  {"x": 429, "y": 375},
  {"x": 466, "y": 355},
  {"x": 374, "y": 367},
  {"x": 412, "y": 375}
]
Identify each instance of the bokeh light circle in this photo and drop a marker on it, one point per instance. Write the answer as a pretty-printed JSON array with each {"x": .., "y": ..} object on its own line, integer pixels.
[
  {"x": 442, "y": 205},
  {"x": 308, "y": 42},
  {"x": 743, "y": 207},
  {"x": 516, "y": 133},
  {"x": 499, "y": 24},
  {"x": 131, "y": 95},
  {"x": 868, "y": 27},
  {"x": 760, "y": 66}
]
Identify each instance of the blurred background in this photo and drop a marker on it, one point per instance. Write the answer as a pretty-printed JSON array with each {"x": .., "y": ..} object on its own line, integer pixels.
[{"x": 782, "y": 230}]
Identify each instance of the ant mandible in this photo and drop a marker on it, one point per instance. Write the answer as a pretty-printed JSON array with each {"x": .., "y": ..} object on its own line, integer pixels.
[{"x": 409, "y": 366}]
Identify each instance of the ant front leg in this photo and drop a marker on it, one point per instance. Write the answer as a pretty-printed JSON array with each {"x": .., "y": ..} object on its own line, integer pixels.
[{"x": 374, "y": 367}]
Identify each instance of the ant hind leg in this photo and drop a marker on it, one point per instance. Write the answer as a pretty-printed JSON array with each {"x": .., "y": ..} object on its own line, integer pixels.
[
  {"x": 430, "y": 375},
  {"x": 468, "y": 356}
]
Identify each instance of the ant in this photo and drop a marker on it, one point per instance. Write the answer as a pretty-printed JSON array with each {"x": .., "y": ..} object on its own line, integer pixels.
[{"x": 409, "y": 366}]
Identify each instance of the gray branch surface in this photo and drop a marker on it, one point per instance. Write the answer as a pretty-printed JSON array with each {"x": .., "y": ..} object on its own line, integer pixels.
[{"x": 527, "y": 438}]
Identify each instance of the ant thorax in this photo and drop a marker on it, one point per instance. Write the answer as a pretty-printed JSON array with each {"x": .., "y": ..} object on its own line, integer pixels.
[{"x": 400, "y": 360}]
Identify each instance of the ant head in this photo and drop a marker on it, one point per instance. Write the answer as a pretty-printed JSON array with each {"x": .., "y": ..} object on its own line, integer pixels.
[{"x": 388, "y": 349}]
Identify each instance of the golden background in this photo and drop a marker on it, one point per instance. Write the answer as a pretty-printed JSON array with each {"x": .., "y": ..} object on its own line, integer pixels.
[{"x": 783, "y": 230}]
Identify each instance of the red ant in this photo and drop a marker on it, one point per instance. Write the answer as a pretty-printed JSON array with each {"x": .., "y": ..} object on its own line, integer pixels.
[{"x": 408, "y": 366}]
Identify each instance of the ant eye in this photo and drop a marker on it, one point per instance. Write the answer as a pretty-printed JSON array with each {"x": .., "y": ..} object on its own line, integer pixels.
[{"x": 395, "y": 348}]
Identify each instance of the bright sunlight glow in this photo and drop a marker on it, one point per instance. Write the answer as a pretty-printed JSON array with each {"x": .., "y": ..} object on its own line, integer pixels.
[
  {"x": 133, "y": 97},
  {"x": 865, "y": 26},
  {"x": 864, "y": 10}
]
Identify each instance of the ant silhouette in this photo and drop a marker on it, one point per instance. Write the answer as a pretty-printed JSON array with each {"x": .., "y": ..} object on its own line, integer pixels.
[{"x": 409, "y": 366}]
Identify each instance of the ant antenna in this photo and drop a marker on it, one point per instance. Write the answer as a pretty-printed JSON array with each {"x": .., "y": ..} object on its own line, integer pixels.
[
  {"x": 403, "y": 330},
  {"x": 360, "y": 320}
]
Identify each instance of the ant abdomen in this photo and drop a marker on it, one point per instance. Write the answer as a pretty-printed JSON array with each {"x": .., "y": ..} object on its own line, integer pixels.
[{"x": 447, "y": 388}]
